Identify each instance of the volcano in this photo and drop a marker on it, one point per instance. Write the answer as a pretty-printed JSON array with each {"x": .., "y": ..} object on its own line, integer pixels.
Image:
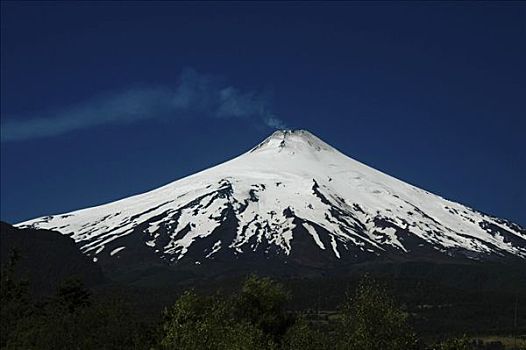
[{"x": 292, "y": 200}]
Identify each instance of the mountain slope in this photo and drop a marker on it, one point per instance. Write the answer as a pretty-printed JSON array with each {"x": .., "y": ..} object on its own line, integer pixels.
[
  {"x": 46, "y": 258},
  {"x": 294, "y": 199}
]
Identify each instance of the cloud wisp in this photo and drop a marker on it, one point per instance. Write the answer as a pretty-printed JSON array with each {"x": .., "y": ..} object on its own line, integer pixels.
[{"x": 195, "y": 95}]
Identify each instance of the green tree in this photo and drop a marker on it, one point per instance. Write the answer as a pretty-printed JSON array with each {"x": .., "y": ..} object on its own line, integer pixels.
[
  {"x": 262, "y": 303},
  {"x": 371, "y": 320},
  {"x": 101, "y": 325},
  {"x": 302, "y": 336},
  {"x": 197, "y": 322},
  {"x": 73, "y": 319}
]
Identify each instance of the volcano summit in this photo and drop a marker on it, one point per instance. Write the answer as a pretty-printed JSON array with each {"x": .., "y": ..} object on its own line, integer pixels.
[{"x": 293, "y": 199}]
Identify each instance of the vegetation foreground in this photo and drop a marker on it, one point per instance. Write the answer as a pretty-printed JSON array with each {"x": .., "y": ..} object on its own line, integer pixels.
[{"x": 255, "y": 317}]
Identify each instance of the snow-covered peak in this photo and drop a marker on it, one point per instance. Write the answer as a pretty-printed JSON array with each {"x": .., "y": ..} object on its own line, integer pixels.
[
  {"x": 291, "y": 196},
  {"x": 292, "y": 141}
]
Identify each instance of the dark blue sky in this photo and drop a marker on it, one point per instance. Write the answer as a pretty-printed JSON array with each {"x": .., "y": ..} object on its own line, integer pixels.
[{"x": 101, "y": 101}]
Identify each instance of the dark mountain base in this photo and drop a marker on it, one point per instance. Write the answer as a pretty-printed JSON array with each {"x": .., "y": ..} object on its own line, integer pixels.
[{"x": 46, "y": 258}]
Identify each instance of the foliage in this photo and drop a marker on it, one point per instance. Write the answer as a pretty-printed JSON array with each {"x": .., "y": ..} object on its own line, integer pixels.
[
  {"x": 196, "y": 322},
  {"x": 465, "y": 343},
  {"x": 256, "y": 318},
  {"x": 14, "y": 299},
  {"x": 253, "y": 319},
  {"x": 71, "y": 319},
  {"x": 303, "y": 336},
  {"x": 371, "y": 320},
  {"x": 104, "y": 325},
  {"x": 72, "y": 294},
  {"x": 462, "y": 343},
  {"x": 262, "y": 303}
]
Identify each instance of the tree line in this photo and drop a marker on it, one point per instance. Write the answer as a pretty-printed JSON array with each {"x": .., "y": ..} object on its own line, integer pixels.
[{"x": 254, "y": 318}]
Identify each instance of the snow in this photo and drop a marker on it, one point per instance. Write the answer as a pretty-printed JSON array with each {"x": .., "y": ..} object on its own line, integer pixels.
[
  {"x": 335, "y": 247},
  {"x": 215, "y": 249},
  {"x": 116, "y": 250},
  {"x": 274, "y": 177},
  {"x": 314, "y": 235}
]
